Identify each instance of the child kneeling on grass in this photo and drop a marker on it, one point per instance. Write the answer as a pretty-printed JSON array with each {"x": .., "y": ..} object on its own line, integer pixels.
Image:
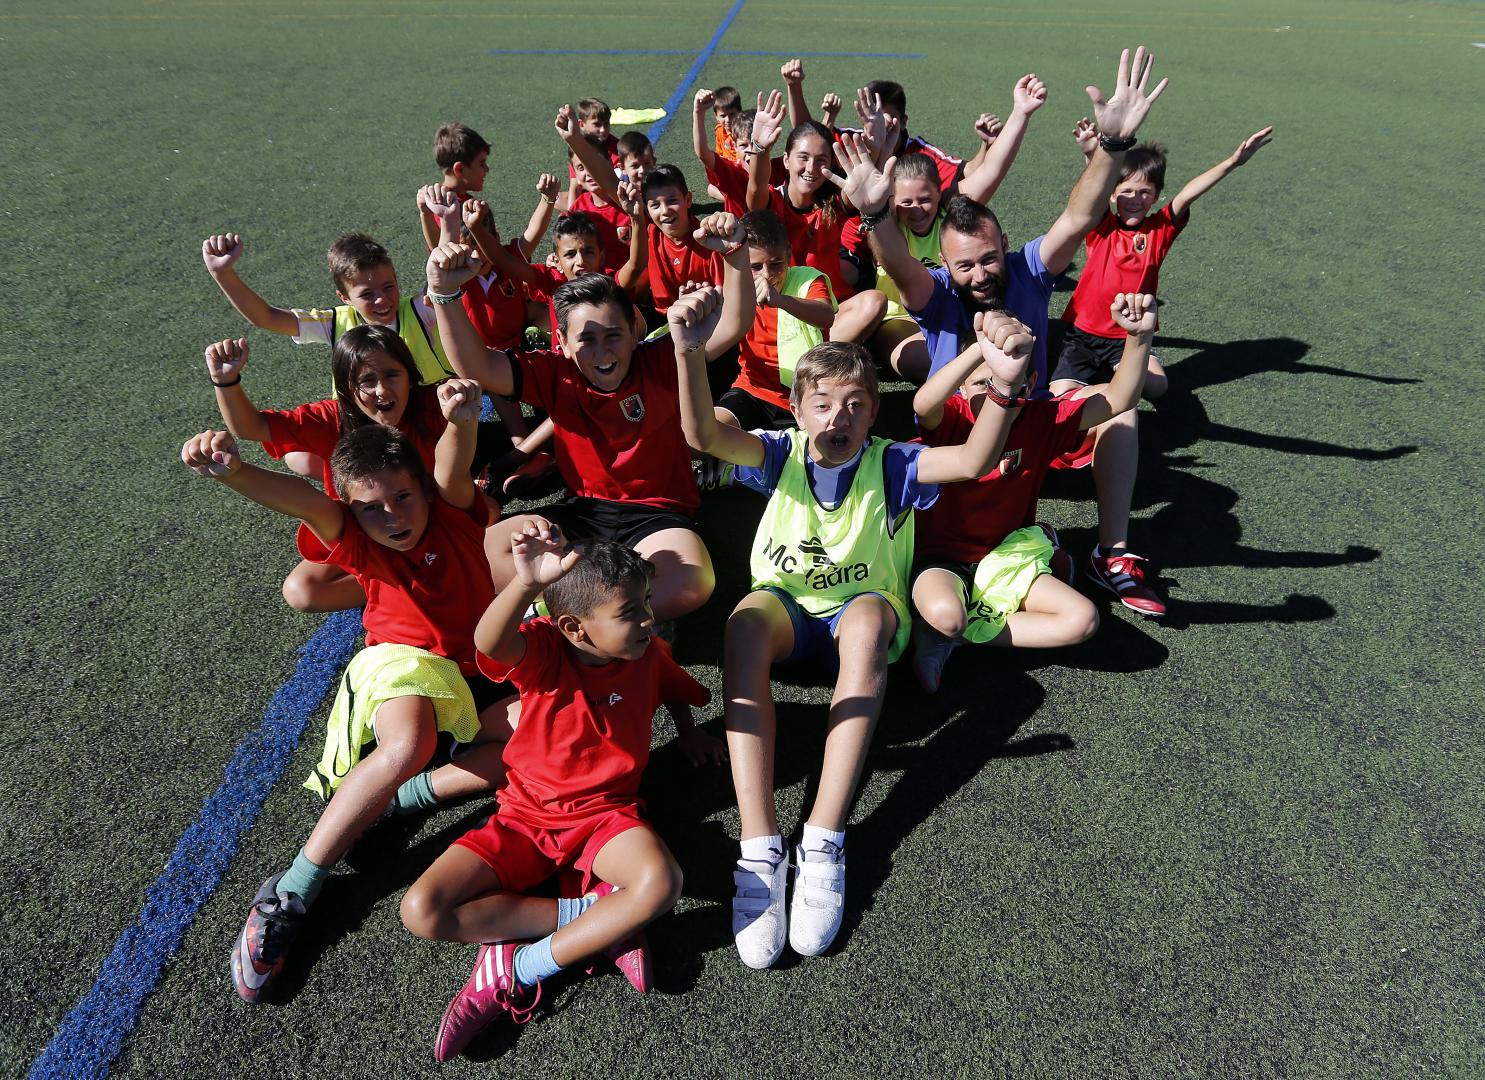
[
  {"x": 830, "y": 568},
  {"x": 417, "y": 549},
  {"x": 590, "y": 677}
]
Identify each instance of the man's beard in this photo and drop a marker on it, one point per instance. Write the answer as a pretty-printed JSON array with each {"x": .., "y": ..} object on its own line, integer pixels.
[{"x": 993, "y": 300}]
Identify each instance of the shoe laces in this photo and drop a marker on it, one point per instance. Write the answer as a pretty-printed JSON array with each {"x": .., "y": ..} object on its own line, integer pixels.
[
  {"x": 278, "y": 927},
  {"x": 513, "y": 1000},
  {"x": 1125, "y": 563}
]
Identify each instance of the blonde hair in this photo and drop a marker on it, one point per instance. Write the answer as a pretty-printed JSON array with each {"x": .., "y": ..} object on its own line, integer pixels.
[{"x": 839, "y": 361}]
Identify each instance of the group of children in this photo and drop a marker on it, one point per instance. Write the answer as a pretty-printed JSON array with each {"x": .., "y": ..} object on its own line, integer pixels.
[{"x": 528, "y": 655}]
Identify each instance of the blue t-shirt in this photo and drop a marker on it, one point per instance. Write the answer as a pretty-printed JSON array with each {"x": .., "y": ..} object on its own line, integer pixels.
[
  {"x": 946, "y": 322},
  {"x": 899, "y": 463}
]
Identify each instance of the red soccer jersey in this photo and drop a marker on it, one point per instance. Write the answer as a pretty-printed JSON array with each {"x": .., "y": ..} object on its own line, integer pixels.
[
  {"x": 971, "y": 518},
  {"x": 544, "y": 288},
  {"x": 1120, "y": 260},
  {"x": 624, "y": 445},
  {"x": 613, "y": 228},
  {"x": 671, "y": 265},
  {"x": 431, "y": 595},
  {"x": 758, "y": 371},
  {"x": 611, "y": 144},
  {"x": 315, "y": 429},
  {"x": 731, "y": 179},
  {"x": 814, "y": 236},
  {"x": 585, "y": 731},
  {"x": 497, "y": 307}
]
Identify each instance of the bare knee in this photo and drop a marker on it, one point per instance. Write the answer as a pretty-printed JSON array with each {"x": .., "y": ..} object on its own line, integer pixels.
[
  {"x": 422, "y": 911},
  {"x": 692, "y": 588},
  {"x": 1080, "y": 621},
  {"x": 299, "y": 594},
  {"x": 945, "y": 614}
]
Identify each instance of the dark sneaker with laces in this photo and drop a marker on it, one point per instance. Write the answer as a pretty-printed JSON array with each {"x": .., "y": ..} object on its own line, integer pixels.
[
  {"x": 258, "y": 955},
  {"x": 492, "y": 989},
  {"x": 1123, "y": 575}
]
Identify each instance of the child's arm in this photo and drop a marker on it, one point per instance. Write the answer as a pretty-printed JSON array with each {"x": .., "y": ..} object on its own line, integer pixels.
[
  {"x": 1086, "y": 136},
  {"x": 599, "y": 167},
  {"x": 633, "y": 273},
  {"x": 701, "y": 138},
  {"x": 1135, "y": 312},
  {"x": 451, "y": 224},
  {"x": 928, "y": 402},
  {"x": 766, "y": 127},
  {"x": 793, "y": 73},
  {"x": 869, "y": 188},
  {"x": 459, "y": 400},
  {"x": 548, "y": 187},
  {"x": 450, "y": 265},
  {"x": 220, "y": 254},
  {"x": 1030, "y": 95},
  {"x": 1007, "y": 345},
  {"x": 427, "y": 222},
  {"x": 480, "y": 225},
  {"x": 214, "y": 454},
  {"x": 818, "y": 313},
  {"x": 1204, "y": 183},
  {"x": 539, "y": 561},
  {"x": 224, "y": 363},
  {"x": 699, "y": 747},
  {"x": 829, "y": 109},
  {"x": 692, "y": 318},
  {"x": 987, "y": 129},
  {"x": 724, "y": 233}
]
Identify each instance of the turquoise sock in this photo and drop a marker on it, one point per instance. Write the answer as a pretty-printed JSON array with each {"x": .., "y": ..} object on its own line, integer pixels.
[
  {"x": 303, "y": 879},
  {"x": 534, "y": 962},
  {"x": 569, "y": 909},
  {"x": 416, "y": 794}
]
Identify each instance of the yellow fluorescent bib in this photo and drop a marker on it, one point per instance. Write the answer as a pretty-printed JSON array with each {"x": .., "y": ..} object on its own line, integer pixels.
[
  {"x": 923, "y": 248},
  {"x": 427, "y": 350},
  {"x": 795, "y": 336},
  {"x": 822, "y": 557}
]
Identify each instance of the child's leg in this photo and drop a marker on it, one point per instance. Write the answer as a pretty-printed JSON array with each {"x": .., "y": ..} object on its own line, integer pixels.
[
  {"x": 858, "y": 317},
  {"x": 1053, "y": 614},
  {"x": 648, "y": 880},
  {"x": 510, "y": 416},
  {"x": 759, "y": 633},
  {"x": 497, "y": 546},
  {"x": 684, "y": 577},
  {"x": 938, "y": 596},
  {"x": 479, "y": 766},
  {"x": 458, "y": 898},
  {"x": 315, "y": 587},
  {"x": 900, "y": 344},
  {"x": 1116, "y": 459}
]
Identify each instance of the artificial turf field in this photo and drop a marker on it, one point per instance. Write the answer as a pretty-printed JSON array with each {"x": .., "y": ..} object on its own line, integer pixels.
[{"x": 1244, "y": 841}]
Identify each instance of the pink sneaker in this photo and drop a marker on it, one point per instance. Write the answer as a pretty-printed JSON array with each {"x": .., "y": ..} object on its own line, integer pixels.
[
  {"x": 1123, "y": 575},
  {"x": 632, "y": 955},
  {"x": 491, "y": 990}
]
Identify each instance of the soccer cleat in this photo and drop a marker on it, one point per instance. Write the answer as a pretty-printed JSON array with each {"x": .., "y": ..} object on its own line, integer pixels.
[
  {"x": 1124, "y": 575},
  {"x": 490, "y": 990},
  {"x": 632, "y": 955},
  {"x": 258, "y": 955},
  {"x": 819, "y": 899},
  {"x": 759, "y": 921},
  {"x": 712, "y": 473},
  {"x": 529, "y": 476},
  {"x": 931, "y": 651},
  {"x": 1062, "y": 566}
]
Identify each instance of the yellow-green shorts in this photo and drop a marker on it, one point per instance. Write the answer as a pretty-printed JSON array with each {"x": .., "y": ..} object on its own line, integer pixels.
[{"x": 997, "y": 585}]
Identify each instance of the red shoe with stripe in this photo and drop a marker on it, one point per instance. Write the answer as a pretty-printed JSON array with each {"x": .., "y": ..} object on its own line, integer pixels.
[
  {"x": 491, "y": 990},
  {"x": 632, "y": 955},
  {"x": 1123, "y": 575}
]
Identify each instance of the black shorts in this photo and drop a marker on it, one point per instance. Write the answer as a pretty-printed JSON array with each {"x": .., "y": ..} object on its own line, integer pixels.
[
  {"x": 964, "y": 571},
  {"x": 755, "y": 414},
  {"x": 1087, "y": 358},
  {"x": 583, "y": 518},
  {"x": 487, "y": 691}
]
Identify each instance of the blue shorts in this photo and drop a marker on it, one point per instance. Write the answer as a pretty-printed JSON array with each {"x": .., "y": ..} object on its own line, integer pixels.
[{"x": 814, "y": 635}]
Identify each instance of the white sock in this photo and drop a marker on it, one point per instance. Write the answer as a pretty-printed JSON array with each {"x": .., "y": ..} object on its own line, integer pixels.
[
  {"x": 822, "y": 843},
  {"x": 761, "y": 854}
]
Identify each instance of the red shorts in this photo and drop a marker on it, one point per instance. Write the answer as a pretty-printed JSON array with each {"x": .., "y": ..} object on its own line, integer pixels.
[{"x": 524, "y": 855}]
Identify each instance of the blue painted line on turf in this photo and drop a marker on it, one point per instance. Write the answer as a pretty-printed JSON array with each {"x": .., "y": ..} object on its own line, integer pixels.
[
  {"x": 657, "y": 129},
  {"x": 92, "y": 1034}
]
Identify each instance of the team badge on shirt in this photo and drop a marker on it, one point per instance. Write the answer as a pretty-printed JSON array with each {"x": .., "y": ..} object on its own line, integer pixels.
[
  {"x": 1009, "y": 463},
  {"x": 1139, "y": 244},
  {"x": 633, "y": 408}
]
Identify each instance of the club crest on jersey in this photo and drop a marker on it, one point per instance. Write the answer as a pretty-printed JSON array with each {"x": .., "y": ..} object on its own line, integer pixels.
[
  {"x": 1139, "y": 244},
  {"x": 633, "y": 408},
  {"x": 429, "y": 557},
  {"x": 1009, "y": 463}
]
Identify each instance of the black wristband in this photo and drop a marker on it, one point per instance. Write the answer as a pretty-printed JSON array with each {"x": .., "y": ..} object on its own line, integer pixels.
[
  {"x": 1112, "y": 144},
  {"x": 234, "y": 382},
  {"x": 871, "y": 221},
  {"x": 1014, "y": 401}
]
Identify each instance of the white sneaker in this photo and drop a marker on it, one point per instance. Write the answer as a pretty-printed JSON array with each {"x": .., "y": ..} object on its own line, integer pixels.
[
  {"x": 759, "y": 922},
  {"x": 819, "y": 900}
]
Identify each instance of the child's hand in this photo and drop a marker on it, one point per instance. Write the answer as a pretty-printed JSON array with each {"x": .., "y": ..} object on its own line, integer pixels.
[
  {"x": 630, "y": 200},
  {"x": 221, "y": 251},
  {"x": 769, "y": 121},
  {"x": 566, "y": 123},
  {"x": 793, "y": 71},
  {"x": 450, "y": 265},
  {"x": 720, "y": 232},
  {"x": 226, "y": 359},
  {"x": 212, "y": 453},
  {"x": 1135, "y": 312},
  {"x": 538, "y": 555},
  {"x": 879, "y": 128},
  {"x": 1121, "y": 115},
  {"x": 701, "y": 748},
  {"x": 476, "y": 212},
  {"x": 1030, "y": 94},
  {"x": 988, "y": 128},
  {"x": 764, "y": 292},
  {"x": 440, "y": 202},
  {"x": 693, "y": 317},
  {"x": 460, "y": 400},
  {"x": 829, "y": 109},
  {"x": 703, "y": 101},
  {"x": 1006, "y": 345},
  {"x": 548, "y": 187},
  {"x": 1251, "y": 145},
  {"x": 1085, "y": 135},
  {"x": 867, "y": 184}
]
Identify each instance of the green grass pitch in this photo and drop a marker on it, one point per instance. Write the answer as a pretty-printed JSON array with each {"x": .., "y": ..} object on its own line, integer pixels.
[{"x": 1244, "y": 842}]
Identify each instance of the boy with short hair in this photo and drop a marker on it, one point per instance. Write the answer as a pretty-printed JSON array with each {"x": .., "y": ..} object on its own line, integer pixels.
[
  {"x": 591, "y": 676},
  {"x": 675, "y": 257},
  {"x": 830, "y": 566},
  {"x": 726, "y": 180},
  {"x": 464, "y": 158},
  {"x": 366, "y": 283},
  {"x": 591, "y": 118},
  {"x": 726, "y": 104},
  {"x": 595, "y": 188},
  {"x": 636, "y": 156},
  {"x": 416, "y": 547}
]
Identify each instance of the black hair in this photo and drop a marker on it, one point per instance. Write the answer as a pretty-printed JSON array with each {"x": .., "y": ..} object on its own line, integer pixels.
[
  {"x": 1148, "y": 159},
  {"x": 371, "y": 449},
  {"x": 576, "y": 224},
  {"x": 353, "y": 349},
  {"x": 963, "y": 215},
  {"x": 891, "y": 93},
  {"x": 765, "y": 229},
  {"x": 664, "y": 176},
  {"x": 633, "y": 142},
  {"x": 605, "y": 568},
  {"x": 596, "y": 289}
]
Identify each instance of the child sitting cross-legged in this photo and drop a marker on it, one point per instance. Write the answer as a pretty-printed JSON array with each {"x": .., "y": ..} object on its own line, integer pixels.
[
  {"x": 415, "y": 545},
  {"x": 830, "y": 566},
  {"x": 984, "y": 566},
  {"x": 591, "y": 676}
]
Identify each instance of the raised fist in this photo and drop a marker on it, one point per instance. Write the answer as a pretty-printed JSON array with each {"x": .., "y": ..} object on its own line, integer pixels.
[{"x": 221, "y": 251}]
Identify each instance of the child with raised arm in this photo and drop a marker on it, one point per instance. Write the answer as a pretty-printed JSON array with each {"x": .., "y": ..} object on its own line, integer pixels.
[
  {"x": 463, "y": 156},
  {"x": 675, "y": 257},
  {"x": 593, "y": 119},
  {"x": 983, "y": 566},
  {"x": 613, "y": 403},
  {"x": 591, "y": 676},
  {"x": 636, "y": 157},
  {"x": 830, "y": 565},
  {"x": 416, "y": 546},
  {"x": 595, "y": 187}
]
